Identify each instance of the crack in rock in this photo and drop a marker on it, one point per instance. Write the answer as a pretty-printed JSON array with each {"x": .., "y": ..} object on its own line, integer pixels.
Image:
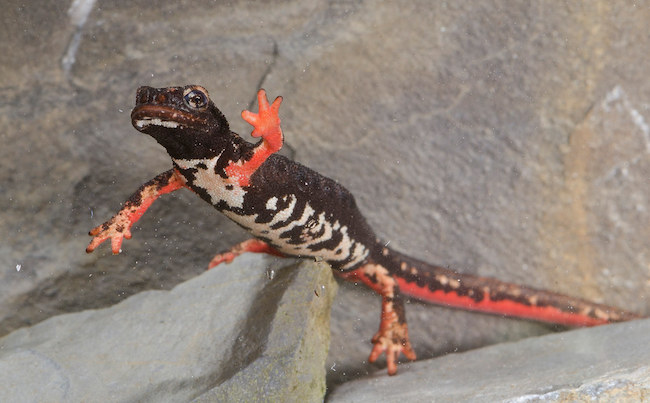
[{"x": 79, "y": 11}]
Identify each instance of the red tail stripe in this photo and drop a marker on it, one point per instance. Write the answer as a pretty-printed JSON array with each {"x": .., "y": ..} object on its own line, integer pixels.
[{"x": 501, "y": 307}]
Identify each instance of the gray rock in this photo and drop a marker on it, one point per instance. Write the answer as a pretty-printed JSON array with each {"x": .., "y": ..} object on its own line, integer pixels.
[
  {"x": 231, "y": 334},
  {"x": 607, "y": 363}
]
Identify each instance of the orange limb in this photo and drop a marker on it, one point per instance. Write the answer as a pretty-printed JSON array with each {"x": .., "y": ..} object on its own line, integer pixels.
[
  {"x": 252, "y": 245},
  {"x": 266, "y": 124},
  {"x": 119, "y": 227},
  {"x": 392, "y": 337}
]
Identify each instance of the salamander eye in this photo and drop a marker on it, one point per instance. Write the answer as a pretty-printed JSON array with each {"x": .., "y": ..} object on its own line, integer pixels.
[{"x": 195, "y": 98}]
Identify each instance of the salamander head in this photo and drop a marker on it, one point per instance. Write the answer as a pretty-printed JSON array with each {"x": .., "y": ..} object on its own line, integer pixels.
[{"x": 182, "y": 119}]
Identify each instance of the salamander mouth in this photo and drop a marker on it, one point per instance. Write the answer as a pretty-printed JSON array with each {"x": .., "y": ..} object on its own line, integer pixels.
[{"x": 144, "y": 116}]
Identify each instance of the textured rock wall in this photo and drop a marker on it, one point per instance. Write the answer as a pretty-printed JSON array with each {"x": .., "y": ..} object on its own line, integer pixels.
[{"x": 507, "y": 139}]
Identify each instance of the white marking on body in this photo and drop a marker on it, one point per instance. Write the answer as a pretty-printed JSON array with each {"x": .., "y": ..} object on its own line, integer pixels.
[
  {"x": 307, "y": 212},
  {"x": 359, "y": 253},
  {"x": 266, "y": 230},
  {"x": 442, "y": 279},
  {"x": 214, "y": 184},
  {"x": 272, "y": 203},
  {"x": 345, "y": 249},
  {"x": 318, "y": 224},
  {"x": 327, "y": 233},
  {"x": 285, "y": 213},
  {"x": 308, "y": 233}
]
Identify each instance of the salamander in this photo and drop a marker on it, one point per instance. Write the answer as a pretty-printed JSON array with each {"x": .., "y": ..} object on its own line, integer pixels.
[{"x": 292, "y": 210}]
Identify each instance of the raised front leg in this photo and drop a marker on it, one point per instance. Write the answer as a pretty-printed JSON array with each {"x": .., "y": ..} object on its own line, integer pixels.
[
  {"x": 266, "y": 124},
  {"x": 392, "y": 336},
  {"x": 119, "y": 227},
  {"x": 252, "y": 245}
]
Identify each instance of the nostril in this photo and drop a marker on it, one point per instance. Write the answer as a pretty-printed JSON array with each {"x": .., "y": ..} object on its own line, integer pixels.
[
  {"x": 143, "y": 95},
  {"x": 160, "y": 98}
]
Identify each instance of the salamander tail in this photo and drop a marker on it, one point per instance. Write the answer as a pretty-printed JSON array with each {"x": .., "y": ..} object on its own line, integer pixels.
[{"x": 438, "y": 285}]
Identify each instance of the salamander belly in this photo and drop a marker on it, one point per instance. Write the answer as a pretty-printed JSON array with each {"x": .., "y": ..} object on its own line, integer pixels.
[
  {"x": 297, "y": 229},
  {"x": 285, "y": 220}
]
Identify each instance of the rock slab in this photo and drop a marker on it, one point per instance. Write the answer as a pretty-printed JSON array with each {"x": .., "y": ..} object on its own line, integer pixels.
[
  {"x": 232, "y": 333},
  {"x": 607, "y": 363}
]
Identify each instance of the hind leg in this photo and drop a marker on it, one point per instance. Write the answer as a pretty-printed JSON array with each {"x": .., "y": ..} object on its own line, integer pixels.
[
  {"x": 392, "y": 336},
  {"x": 252, "y": 245}
]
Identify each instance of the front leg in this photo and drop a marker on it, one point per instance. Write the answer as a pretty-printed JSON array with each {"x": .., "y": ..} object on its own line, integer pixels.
[
  {"x": 119, "y": 226},
  {"x": 392, "y": 336},
  {"x": 266, "y": 124}
]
